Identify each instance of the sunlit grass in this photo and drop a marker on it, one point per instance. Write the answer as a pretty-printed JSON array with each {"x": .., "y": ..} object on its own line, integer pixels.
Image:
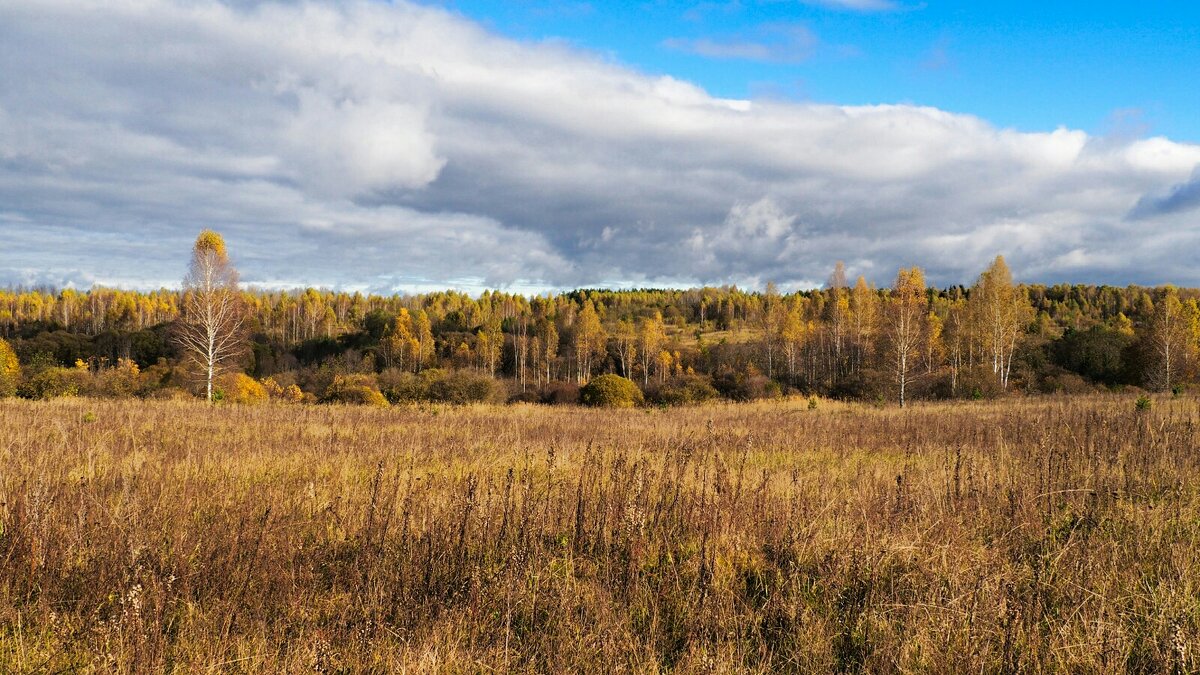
[{"x": 1028, "y": 534}]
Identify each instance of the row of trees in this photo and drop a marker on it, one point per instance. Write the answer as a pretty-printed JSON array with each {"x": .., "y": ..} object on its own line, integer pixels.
[{"x": 843, "y": 340}]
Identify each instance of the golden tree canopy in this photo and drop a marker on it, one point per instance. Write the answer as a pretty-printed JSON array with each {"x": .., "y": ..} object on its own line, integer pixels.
[{"x": 210, "y": 241}]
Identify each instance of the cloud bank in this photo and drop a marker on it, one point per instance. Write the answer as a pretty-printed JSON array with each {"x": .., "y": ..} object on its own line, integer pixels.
[
  {"x": 1178, "y": 199},
  {"x": 393, "y": 146}
]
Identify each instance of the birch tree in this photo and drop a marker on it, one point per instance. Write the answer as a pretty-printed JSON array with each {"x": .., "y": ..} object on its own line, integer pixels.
[
  {"x": 423, "y": 334},
  {"x": 210, "y": 331},
  {"x": 490, "y": 344},
  {"x": 864, "y": 312},
  {"x": 399, "y": 343},
  {"x": 1170, "y": 339},
  {"x": 590, "y": 341},
  {"x": 545, "y": 347},
  {"x": 625, "y": 336},
  {"x": 652, "y": 334},
  {"x": 904, "y": 327},
  {"x": 793, "y": 334},
  {"x": 773, "y": 317},
  {"x": 521, "y": 347},
  {"x": 957, "y": 336},
  {"x": 838, "y": 309},
  {"x": 1002, "y": 311}
]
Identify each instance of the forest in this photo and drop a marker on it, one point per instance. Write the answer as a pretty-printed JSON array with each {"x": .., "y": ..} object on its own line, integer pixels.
[{"x": 847, "y": 340}]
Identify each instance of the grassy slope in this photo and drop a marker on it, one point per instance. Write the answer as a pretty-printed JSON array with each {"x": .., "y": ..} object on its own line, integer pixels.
[{"x": 1027, "y": 534}]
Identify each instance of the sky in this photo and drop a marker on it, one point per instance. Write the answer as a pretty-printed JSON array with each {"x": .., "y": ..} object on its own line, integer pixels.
[{"x": 531, "y": 145}]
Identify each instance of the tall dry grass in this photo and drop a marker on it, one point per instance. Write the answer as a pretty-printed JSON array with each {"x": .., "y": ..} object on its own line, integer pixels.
[{"x": 1025, "y": 536}]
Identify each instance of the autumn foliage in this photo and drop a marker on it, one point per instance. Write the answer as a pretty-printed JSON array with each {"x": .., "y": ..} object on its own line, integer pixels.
[{"x": 848, "y": 341}]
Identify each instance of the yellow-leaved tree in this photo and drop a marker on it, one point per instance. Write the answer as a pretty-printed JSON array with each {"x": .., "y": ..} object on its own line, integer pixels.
[
  {"x": 652, "y": 335},
  {"x": 10, "y": 370},
  {"x": 906, "y": 326},
  {"x": 1171, "y": 339},
  {"x": 1002, "y": 311},
  {"x": 210, "y": 330}
]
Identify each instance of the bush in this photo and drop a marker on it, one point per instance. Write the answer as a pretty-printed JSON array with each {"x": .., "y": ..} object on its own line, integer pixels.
[
  {"x": 54, "y": 382},
  {"x": 241, "y": 388},
  {"x": 981, "y": 383},
  {"x": 1143, "y": 403},
  {"x": 121, "y": 381},
  {"x": 359, "y": 389},
  {"x": 403, "y": 387},
  {"x": 525, "y": 397},
  {"x": 171, "y": 394},
  {"x": 1066, "y": 383},
  {"x": 683, "y": 390},
  {"x": 293, "y": 394},
  {"x": 10, "y": 370},
  {"x": 155, "y": 377},
  {"x": 611, "y": 391},
  {"x": 465, "y": 387},
  {"x": 560, "y": 393},
  {"x": 748, "y": 385},
  {"x": 271, "y": 386}
]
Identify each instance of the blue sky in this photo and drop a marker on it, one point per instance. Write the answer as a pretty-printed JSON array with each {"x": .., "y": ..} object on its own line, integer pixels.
[
  {"x": 393, "y": 145},
  {"x": 1103, "y": 67}
]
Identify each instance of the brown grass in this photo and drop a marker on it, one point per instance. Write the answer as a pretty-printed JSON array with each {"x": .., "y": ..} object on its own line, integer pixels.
[{"x": 1024, "y": 536}]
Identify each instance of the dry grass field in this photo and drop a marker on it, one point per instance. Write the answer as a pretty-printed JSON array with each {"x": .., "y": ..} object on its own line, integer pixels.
[{"x": 1032, "y": 535}]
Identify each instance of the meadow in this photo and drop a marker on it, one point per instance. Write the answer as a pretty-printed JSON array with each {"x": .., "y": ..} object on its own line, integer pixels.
[{"x": 1025, "y": 535}]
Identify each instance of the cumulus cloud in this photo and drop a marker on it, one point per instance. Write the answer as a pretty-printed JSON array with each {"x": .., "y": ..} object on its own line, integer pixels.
[{"x": 396, "y": 145}]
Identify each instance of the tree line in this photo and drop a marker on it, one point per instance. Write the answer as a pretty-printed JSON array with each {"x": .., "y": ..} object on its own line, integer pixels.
[{"x": 217, "y": 339}]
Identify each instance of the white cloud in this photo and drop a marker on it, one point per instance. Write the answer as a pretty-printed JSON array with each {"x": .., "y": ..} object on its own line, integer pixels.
[
  {"x": 381, "y": 145},
  {"x": 345, "y": 148}
]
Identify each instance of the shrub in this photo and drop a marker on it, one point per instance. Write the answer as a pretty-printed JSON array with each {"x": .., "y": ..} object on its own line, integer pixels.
[
  {"x": 611, "y": 391},
  {"x": 293, "y": 394},
  {"x": 683, "y": 390},
  {"x": 748, "y": 385},
  {"x": 271, "y": 387},
  {"x": 359, "y": 389},
  {"x": 120, "y": 381},
  {"x": 53, "y": 383},
  {"x": 403, "y": 387},
  {"x": 560, "y": 393},
  {"x": 10, "y": 370},
  {"x": 1143, "y": 403},
  {"x": 171, "y": 394},
  {"x": 465, "y": 387},
  {"x": 283, "y": 387},
  {"x": 525, "y": 397},
  {"x": 155, "y": 377},
  {"x": 1066, "y": 383},
  {"x": 241, "y": 388},
  {"x": 981, "y": 383}
]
